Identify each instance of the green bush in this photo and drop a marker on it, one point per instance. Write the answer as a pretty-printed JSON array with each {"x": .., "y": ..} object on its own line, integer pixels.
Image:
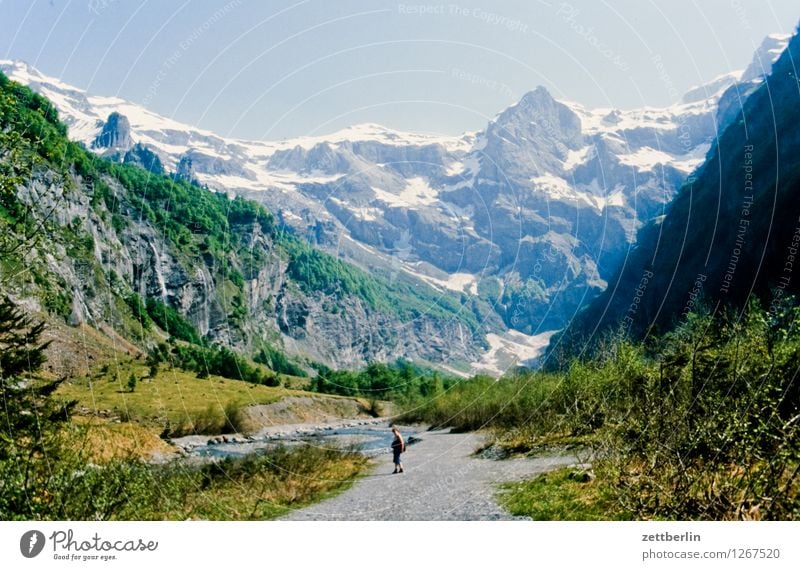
[
  {"x": 139, "y": 310},
  {"x": 171, "y": 321},
  {"x": 278, "y": 362},
  {"x": 401, "y": 381}
]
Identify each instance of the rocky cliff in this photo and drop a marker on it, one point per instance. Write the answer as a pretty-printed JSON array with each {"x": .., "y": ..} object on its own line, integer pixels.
[
  {"x": 108, "y": 234},
  {"x": 529, "y": 216},
  {"x": 115, "y": 134}
]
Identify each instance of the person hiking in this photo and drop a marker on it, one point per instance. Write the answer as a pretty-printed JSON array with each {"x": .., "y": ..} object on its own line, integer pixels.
[{"x": 398, "y": 447}]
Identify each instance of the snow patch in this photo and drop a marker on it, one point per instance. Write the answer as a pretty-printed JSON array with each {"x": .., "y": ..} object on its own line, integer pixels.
[
  {"x": 646, "y": 158},
  {"x": 510, "y": 349},
  {"x": 377, "y": 133},
  {"x": 458, "y": 282},
  {"x": 577, "y": 157},
  {"x": 417, "y": 192},
  {"x": 466, "y": 282},
  {"x": 689, "y": 162},
  {"x": 555, "y": 187},
  {"x": 455, "y": 167},
  {"x": 591, "y": 194}
]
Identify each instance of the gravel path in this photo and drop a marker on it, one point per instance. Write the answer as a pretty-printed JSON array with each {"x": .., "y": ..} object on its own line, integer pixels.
[{"x": 442, "y": 481}]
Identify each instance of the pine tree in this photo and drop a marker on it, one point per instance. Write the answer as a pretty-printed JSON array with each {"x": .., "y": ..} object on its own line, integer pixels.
[
  {"x": 28, "y": 408},
  {"x": 30, "y": 417},
  {"x": 132, "y": 381}
]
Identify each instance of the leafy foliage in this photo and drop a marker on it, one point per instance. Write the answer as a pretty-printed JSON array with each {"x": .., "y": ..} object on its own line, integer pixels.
[
  {"x": 401, "y": 381},
  {"x": 171, "y": 321},
  {"x": 29, "y": 431},
  {"x": 139, "y": 309},
  {"x": 279, "y": 362},
  {"x": 318, "y": 272},
  {"x": 218, "y": 360},
  {"x": 45, "y": 476},
  {"x": 30, "y": 136}
]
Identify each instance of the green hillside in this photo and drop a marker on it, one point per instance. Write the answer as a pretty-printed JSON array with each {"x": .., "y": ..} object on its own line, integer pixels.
[{"x": 105, "y": 243}]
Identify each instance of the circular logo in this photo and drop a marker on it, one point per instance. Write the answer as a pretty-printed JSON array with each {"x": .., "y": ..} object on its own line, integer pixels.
[{"x": 31, "y": 543}]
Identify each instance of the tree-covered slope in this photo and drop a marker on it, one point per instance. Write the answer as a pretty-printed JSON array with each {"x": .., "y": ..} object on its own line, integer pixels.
[{"x": 94, "y": 242}]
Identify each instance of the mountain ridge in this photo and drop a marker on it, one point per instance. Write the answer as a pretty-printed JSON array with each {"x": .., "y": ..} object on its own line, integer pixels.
[
  {"x": 531, "y": 215},
  {"x": 88, "y": 241},
  {"x": 731, "y": 235}
]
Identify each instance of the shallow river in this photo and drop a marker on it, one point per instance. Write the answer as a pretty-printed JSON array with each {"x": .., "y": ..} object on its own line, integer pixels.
[{"x": 369, "y": 439}]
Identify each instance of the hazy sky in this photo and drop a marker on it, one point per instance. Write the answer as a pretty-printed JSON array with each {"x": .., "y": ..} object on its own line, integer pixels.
[{"x": 272, "y": 68}]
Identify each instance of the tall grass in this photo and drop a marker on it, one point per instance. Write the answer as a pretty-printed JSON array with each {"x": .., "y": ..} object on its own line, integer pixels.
[
  {"x": 701, "y": 423},
  {"x": 574, "y": 402},
  {"x": 256, "y": 487}
]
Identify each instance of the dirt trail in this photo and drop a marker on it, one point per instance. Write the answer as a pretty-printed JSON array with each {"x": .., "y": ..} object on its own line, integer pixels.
[{"x": 443, "y": 480}]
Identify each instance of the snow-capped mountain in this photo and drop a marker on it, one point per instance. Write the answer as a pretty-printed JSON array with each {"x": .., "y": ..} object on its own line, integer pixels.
[{"x": 532, "y": 213}]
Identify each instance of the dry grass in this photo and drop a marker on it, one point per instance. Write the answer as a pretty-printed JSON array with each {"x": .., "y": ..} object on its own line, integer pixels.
[
  {"x": 75, "y": 351},
  {"x": 264, "y": 487},
  {"x": 102, "y": 440}
]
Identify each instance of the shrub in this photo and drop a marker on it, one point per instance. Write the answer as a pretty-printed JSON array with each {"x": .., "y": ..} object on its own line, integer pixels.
[
  {"x": 139, "y": 310},
  {"x": 171, "y": 321},
  {"x": 236, "y": 418}
]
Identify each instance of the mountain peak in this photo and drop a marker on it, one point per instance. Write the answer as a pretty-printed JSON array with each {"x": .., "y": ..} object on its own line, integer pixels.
[
  {"x": 18, "y": 64},
  {"x": 116, "y": 133},
  {"x": 25, "y": 73},
  {"x": 765, "y": 55},
  {"x": 771, "y": 48},
  {"x": 537, "y": 96},
  {"x": 531, "y": 102},
  {"x": 538, "y": 111}
]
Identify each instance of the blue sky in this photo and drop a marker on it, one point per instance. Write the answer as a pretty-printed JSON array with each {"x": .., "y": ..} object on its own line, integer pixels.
[{"x": 273, "y": 69}]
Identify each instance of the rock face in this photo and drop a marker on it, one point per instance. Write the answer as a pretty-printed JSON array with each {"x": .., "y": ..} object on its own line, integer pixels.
[
  {"x": 533, "y": 214},
  {"x": 339, "y": 331},
  {"x": 115, "y": 134},
  {"x": 193, "y": 162},
  {"x": 767, "y": 53},
  {"x": 185, "y": 169}
]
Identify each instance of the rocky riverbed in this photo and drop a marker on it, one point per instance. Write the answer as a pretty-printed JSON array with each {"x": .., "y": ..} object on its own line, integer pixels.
[
  {"x": 370, "y": 436},
  {"x": 444, "y": 478}
]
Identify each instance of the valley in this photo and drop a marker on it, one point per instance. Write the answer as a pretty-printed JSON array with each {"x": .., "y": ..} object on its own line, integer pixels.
[{"x": 194, "y": 326}]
